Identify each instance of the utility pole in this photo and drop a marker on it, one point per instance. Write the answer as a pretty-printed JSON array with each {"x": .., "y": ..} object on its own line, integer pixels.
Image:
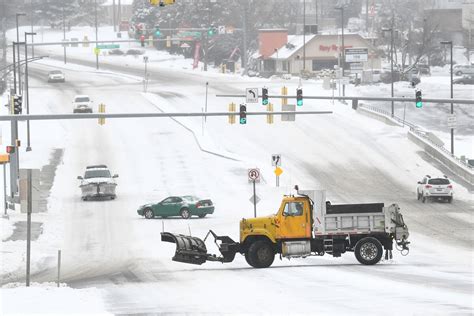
[
  {"x": 96, "y": 38},
  {"x": 28, "y": 145},
  {"x": 64, "y": 34},
  {"x": 28, "y": 225},
  {"x": 15, "y": 158},
  {"x": 114, "y": 22},
  {"x": 206, "y": 51},
  {"x": 18, "y": 50},
  {"x": 342, "y": 52},
  {"x": 32, "y": 30},
  {"x": 244, "y": 37},
  {"x": 304, "y": 34}
]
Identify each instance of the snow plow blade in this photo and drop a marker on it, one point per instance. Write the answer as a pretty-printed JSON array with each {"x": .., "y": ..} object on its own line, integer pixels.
[{"x": 193, "y": 250}]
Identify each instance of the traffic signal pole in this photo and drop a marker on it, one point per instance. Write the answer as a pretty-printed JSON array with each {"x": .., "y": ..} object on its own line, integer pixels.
[{"x": 14, "y": 158}]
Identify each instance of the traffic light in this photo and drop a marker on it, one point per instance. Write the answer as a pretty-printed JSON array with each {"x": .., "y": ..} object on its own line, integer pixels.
[
  {"x": 157, "y": 31},
  {"x": 243, "y": 114},
  {"x": 212, "y": 31},
  {"x": 419, "y": 101},
  {"x": 265, "y": 96},
  {"x": 10, "y": 149},
  {"x": 17, "y": 104},
  {"x": 142, "y": 40},
  {"x": 299, "y": 97}
]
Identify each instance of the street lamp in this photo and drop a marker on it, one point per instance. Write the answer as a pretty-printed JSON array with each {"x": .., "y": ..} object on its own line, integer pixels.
[
  {"x": 342, "y": 53},
  {"x": 450, "y": 43},
  {"x": 28, "y": 146},
  {"x": 96, "y": 38},
  {"x": 18, "y": 49},
  {"x": 385, "y": 29}
]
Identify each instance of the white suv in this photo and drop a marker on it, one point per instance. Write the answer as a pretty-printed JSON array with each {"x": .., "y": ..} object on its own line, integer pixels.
[
  {"x": 435, "y": 188},
  {"x": 82, "y": 104}
]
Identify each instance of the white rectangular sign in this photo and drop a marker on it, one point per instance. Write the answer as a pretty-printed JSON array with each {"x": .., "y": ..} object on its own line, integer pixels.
[
  {"x": 276, "y": 160},
  {"x": 354, "y": 55},
  {"x": 251, "y": 95},
  {"x": 452, "y": 122}
]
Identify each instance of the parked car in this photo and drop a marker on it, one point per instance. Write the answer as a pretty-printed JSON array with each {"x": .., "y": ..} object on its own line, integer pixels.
[
  {"x": 424, "y": 69},
  {"x": 466, "y": 79},
  {"x": 98, "y": 183},
  {"x": 56, "y": 76},
  {"x": 435, "y": 188},
  {"x": 460, "y": 70},
  {"x": 184, "y": 206},
  {"x": 82, "y": 104}
]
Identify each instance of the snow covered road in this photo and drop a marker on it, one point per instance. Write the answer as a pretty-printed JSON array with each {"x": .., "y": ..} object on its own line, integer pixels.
[{"x": 106, "y": 245}]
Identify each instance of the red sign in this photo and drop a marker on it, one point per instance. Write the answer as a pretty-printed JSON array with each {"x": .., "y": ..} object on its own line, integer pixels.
[
  {"x": 332, "y": 47},
  {"x": 196, "y": 55}
]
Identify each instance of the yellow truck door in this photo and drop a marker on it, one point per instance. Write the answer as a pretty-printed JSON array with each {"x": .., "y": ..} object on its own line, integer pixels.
[{"x": 293, "y": 220}]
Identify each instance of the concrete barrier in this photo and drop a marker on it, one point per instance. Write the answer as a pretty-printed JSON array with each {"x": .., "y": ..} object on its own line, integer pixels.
[
  {"x": 439, "y": 154},
  {"x": 422, "y": 139}
]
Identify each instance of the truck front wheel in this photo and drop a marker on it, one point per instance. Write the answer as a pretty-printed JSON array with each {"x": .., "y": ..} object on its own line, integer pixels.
[
  {"x": 368, "y": 251},
  {"x": 260, "y": 254}
]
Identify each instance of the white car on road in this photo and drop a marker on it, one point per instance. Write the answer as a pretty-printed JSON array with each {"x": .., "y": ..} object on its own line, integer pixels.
[
  {"x": 435, "y": 188},
  {"x": 82, "y": 104},
  {"x": 56, "y": 76},
  {"x": 98, "y": 183},
  {"x": 460, "y": 70}
]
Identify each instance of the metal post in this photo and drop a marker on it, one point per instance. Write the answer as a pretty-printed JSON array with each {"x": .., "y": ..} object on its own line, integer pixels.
[
  {"x": 244, "y": 37},
  {"x": 367, "y": 16},
  {"x": 32, "y": 30},
  {"x": 114, "y": 22},
  {"x": 15, "y": 158},
  {"x": 206, "y": 51},
  {"x": 96, "y": 38},
  {"x": 304, "y": 34},
  {"x": 28, "y": 229},
  {"x": 14, "y": 66},
  {"x": 254, "y": 200},
  {"x": 28, "y": 145},
  {"x": 343, "y": 61},
  {"x": 5, "y": 205},
  {"x": 18, "y": 50},
  {"x": 452, "y": 105},
  {"x": 207, "y": 86},
  {"x": 59, "y": 267},
  {"x": 64, "y": 34},
  {"x": 391, "y": 69}
]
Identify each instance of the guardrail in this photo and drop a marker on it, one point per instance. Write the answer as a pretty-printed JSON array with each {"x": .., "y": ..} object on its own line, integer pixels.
[{"x": 420, "y": 133}]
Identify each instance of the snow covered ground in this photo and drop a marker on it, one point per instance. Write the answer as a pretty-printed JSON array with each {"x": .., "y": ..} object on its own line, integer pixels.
[{"x": 114, "y": 261}]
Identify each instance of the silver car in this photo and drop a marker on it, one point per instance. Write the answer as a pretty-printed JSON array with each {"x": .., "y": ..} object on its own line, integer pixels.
[
  {"x": 460, "y": 70},
  {"x": 98, "y": 183}
]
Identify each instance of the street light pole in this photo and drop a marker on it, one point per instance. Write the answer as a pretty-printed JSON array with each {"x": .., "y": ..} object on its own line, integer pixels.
[
  {"x": 64, "y": 34},
  {"x": 391, "y": 67},
  {"x": 304, "y": 34},
  {"x": 28, "y": 146},
  {"x": 18, "y": 50},
  {"x": 342, "y": 53},
  {"x": 450, "y": 43},
  {"x": 96, "y": 38}
]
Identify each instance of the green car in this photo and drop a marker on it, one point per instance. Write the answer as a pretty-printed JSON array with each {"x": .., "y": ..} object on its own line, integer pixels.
[{"x": 184, "y": 206}]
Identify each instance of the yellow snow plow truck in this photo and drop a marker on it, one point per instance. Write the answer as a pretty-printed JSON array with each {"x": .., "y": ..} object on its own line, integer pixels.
[{"x": 305, "y": 225}]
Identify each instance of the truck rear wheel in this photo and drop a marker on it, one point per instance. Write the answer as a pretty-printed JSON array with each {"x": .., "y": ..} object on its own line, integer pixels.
[
  {"x": 260, "y": 254},
  {"x": 368, "y": 251}
]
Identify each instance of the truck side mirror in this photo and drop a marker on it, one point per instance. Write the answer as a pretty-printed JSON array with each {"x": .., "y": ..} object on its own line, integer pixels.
[
  {"x": 80, "y": 178},
  {"x": 115, "y": 176},
  {"x": 419, "y": 182}
]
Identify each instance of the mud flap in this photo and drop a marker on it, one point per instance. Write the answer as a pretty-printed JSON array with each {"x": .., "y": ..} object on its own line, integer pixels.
[{"x": 193, "y": 250}]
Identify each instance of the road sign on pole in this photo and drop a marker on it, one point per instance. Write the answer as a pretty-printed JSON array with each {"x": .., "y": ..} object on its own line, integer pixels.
[
  {"x": 221, "y": 29},
  {"x": 254, "y": 174},
  {"x": 251, "y": 95},
  {"x": 276, "y": 160},
  {"x": 452, "y": 122}
]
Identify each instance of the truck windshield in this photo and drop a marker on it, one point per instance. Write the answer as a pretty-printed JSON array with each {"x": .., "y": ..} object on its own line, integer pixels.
[{"x": 97, "y": 174}]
